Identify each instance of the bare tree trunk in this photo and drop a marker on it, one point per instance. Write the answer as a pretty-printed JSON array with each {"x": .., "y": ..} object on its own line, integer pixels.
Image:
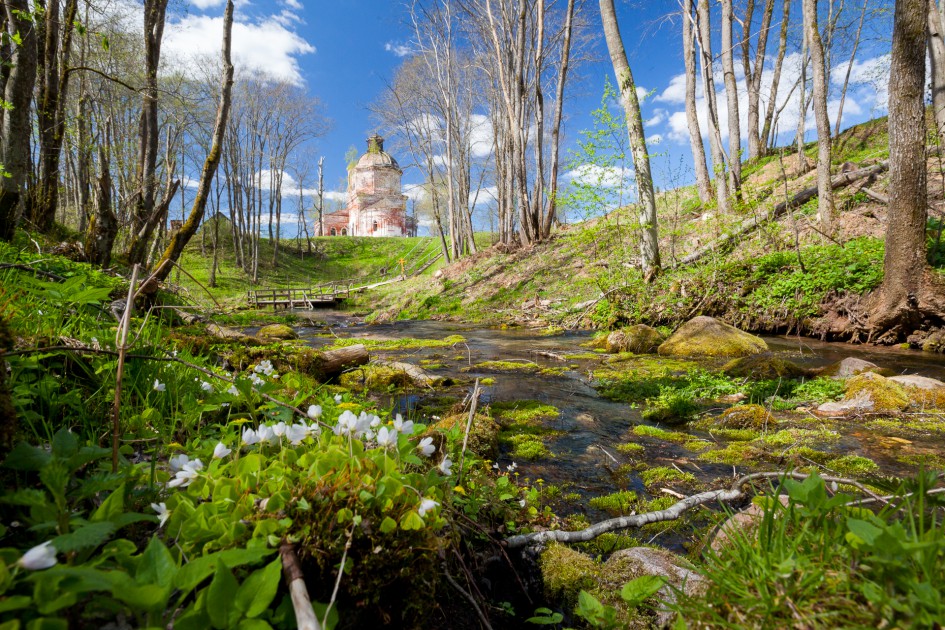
[
  {"x": 321, "y": 196},
  {"x": 775, "y": 78},
  {"x": 754, "y": 74},
  {"x": 50, "y": 111},
  {"x": 181, "y": 237},
  {"x": 649, "y": 241},
  {"x": 802, "y": 102},
  {"x": 550, "y": 214},
  {"x": 900, "y": 297},
  {"x": 15, "y": 128},
  {"x": 704, "y": 38},
  {"x": 937, "y": 58},
  {"x": 703, "y": 178},
  {"x": 103, "y": 226},
  {"x": 731, "y": 94},
  {"x": 825, "y": 208}
]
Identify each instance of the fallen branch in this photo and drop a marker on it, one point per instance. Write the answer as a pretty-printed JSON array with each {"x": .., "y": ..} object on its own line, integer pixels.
[
  {"x": 799, "y": 199},
  {"x": 305, "y": 618},
  {"x": 472, "y": 415},
  {"x": 550, "y": 355},
  {"x": 121, "y": 340},
  {"x": 671, "y": 513},
  {"x": 875, "y": 196}
]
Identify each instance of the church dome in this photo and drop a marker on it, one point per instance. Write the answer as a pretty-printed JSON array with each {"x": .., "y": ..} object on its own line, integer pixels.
[{"x": 376, "y": 156}]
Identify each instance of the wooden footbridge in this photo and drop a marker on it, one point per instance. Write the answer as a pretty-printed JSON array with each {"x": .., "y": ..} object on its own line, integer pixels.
[{"x": 333, "y": 293}]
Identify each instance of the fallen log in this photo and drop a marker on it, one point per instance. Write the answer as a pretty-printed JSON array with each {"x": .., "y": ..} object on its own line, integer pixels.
[
  {"x": 417, "y": 375},
  {"x": 333, "y": 362},
  {"x": 799, "y": 199},
  {"x": 305, "y": 618}
]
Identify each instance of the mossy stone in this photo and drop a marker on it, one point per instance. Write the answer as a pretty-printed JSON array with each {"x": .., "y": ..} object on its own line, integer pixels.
[
  {"x": 745, "y": 417},
  {"x": 764, "y": 366},
  {"x": 707, "y": 337},
  {"x": 483, "y": 434},
  {"x": 639, "y": 339},
  {"x": 851, "y": 366},
  {"x": 566, "y": 572},
  {"x": 277, "y": 332},
  {"x": 886, "y": 395},
  {"x": 375, "y": 377}
]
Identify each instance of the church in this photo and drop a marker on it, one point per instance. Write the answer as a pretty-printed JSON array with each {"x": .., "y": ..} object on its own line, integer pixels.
[{"x": 375, "y": 206}]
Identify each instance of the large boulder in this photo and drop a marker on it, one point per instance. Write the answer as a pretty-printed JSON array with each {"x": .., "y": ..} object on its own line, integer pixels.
[
  {"x": 639, "y": 339},
  {"x": 764, "y": 366},
  {"x": 707, "y": 337},
  {"x": 851, "y": 366},
  {"x": 923, "y": 392},
  {"x": 277, "y": 332},
  {"x": 867, "y": 392}
]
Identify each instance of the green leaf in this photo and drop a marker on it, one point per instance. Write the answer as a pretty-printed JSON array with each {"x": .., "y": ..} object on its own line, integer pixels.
[
  {"x": 13, "y": 624},
  {"x": 388, "y": 525},
  {"x": 48, "y": 623},
  {"x": 257, "y": 592},
  {"x": 411, "y": 520},
  {"x": 15, "y": 602},
  {"x": 637, "y": 590},
  {"x": 545, "y": 617},
  {"x": 221, "y": 604},
  {"x": 111, "y": 507},
  {"x": 253, "y": 624},
  {"x": 157, "y": 565},
  {"x": 86, "y": 537},
  {"x": 29, "y": 497},
  {"x": 867, "y": 532},
  {"x": 197, "y": 570},
  {"x": 26, "y": 457},
  {"x": 64, "y": 444}
]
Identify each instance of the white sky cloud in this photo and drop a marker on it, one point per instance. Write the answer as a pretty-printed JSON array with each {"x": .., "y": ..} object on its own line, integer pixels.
[
  {"x": 596, "y": 175},
  {"x": 203, "y": 5},
  {"x": 268, "y": 46},
  {"x": 398, "y": 48}
]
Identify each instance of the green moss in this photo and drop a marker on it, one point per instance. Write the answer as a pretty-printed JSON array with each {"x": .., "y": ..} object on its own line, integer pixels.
[
  {"x": 278, "y": 332},
  {"x": 374, "y": 377},
  {"x": 607, "y": 543},
  {"x": 631, "y": 448},
  {"x": 618, "y": 503},
  {"x": 582, "y": 356},
  {"x": 661, "y": 434},
  {"x": 665, "y": 474},
  {"x": 707, "y": 337},
  {"x": 527, "y": 446},
  {"x": 487, "y": 381},
  {"x": 565, "y": 572},
  {"x": 745, "y": 417},
  {"x": 522, "y": 412},
  {"x": 853, "y": 465},
  {"x": 763, "y": 366},
  {"x": 483, "y": 433},
  {"x": 405, "y": 343},
  {"x": 698, "y": 445},
  {"x": 799, "y": 437},
  {"x": 886, "y": 395},
  {"x": 733, "y": 454}
]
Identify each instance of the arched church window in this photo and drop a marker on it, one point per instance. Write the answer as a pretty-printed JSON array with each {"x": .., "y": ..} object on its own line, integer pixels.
[
  {"x": 344, "y": 231},
  {"x": 333, "y": 233},
  {"x": 374, "y": 227}
]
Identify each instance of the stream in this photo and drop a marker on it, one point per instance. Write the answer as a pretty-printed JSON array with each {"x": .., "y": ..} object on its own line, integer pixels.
[{"x": 584, "y": 458}]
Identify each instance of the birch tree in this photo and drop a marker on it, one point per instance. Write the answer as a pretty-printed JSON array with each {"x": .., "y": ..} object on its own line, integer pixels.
[
  {"x": 703, "y": 178},
  {"x": 649, "y": 241},
  {"x": 825, "y": 209}
]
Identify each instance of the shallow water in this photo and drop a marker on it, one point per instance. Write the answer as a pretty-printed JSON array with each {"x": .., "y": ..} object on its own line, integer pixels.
[{"x": 584, "y": 458}]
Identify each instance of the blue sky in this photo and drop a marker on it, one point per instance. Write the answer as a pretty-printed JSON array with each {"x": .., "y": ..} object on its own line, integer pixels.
[{"x": 344, "y": 51}]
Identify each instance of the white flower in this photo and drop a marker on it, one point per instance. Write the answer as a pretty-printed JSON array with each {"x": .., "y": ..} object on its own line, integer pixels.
[
  {"x": 386, "y": 437},
  {"x": 375, "y": 422},
  {"x": 250, "y": 437},
  {"x": 185, "y": 476},
  {"x": 39, "y": 557},
  {"x": 512, "y": 467},
  {"x": 159, "y": 386},
  {"x": 314, "y": 429},
  {"x": 178, "y": 462},
  {"x": 522, "y": 502},
  {"x": 405, "y": 427},
  {"x": 337, "y": 398},
  {"x": 445, "y": 466},
  {"x": 314, "y": 412},
  {"x": 162, "y": 512},
  {"x": 296, "y": 433},
  {"x": 426, "y": 447},
  {"x": 265, "y": 433},
  {"x": 426, "y": 505},
  {"x": 233, "y": 391},
  {"x": 264, "y": 367},
  {"x": 256, "y": 380},
  {"x": 347, "y": 423},
  {"x": 279, "y": 429},
  {"x": 220, "y": 451},
  {"x": 495, "y": 465},
  {"x": 207, "y": 387}
]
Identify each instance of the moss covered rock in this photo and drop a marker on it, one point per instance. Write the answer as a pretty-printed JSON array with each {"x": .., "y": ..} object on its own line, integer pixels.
[
  {"x": 707, "y": 337},
  {"x": 764, "y": 366},
  {"x": 886, "y": 395},
  {"x": 851, "y": 366},
  {"x": 923, "y": 392},
  {"x": 277, "y": 332},
  {"x": 483, "y": 434},
  {"x": 745, "y": 417},
  {"x": 639, "y": 339},
  {"x": 375, "y": 377},
  {"x": 566, "y": 572}
]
